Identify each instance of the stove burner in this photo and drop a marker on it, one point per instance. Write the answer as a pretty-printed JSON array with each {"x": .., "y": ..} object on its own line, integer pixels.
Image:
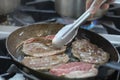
[{"x": 89, "y": 25}]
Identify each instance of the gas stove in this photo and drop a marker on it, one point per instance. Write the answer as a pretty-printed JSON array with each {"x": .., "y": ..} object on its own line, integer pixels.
[{"x": 37, "y": 12}]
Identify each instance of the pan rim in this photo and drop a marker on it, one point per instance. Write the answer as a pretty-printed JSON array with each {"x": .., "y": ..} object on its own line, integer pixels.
[{"x": 13, "y": 57}]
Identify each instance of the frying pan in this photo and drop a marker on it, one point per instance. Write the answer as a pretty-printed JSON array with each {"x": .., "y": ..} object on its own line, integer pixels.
[{"x": 34, "y": 30}]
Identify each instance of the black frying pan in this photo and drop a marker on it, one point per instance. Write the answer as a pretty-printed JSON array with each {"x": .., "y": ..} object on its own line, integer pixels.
[{"x": 24, "y": 33}]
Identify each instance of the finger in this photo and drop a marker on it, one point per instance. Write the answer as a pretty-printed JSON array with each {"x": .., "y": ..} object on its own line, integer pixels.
[
  {"x": 105, "y": 6},
  {"x": 109, "y": 1},
  {"x": 96, "y": 6},
  {"x": 88, "y": 3}
]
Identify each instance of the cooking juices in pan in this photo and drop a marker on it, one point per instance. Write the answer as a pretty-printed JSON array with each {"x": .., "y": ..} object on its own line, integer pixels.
[{"x": 76, "y": 61}]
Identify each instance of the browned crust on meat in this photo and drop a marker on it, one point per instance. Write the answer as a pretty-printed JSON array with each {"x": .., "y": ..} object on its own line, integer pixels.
[
  {"x": 40, "y": 47},
  {"x": 88, "y": 52},
  {"x": 45, "y": 63}
]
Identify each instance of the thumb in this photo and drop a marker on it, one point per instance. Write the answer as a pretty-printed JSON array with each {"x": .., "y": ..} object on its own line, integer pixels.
[
  {"x": 88, "y": 3},
  {"x": 96, "y": 5}
]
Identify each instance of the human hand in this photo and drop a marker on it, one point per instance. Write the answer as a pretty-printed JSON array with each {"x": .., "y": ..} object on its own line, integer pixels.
[{"x": 97, "y": 5}]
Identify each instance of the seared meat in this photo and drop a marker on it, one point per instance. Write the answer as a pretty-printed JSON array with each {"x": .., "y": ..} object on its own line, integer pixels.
[
  {"x": 74, "y": 70},
  {"x": 82, "y": 74},
  {"x": 88, "y": 52},
  {"x": 45, "y": 62},
  {"x": 40, "y": 47},
  {"x": 50, "y": 37}
]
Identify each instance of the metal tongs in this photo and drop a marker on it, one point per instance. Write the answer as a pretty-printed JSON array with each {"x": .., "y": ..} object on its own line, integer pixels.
[{"x": 68, "y": 32}]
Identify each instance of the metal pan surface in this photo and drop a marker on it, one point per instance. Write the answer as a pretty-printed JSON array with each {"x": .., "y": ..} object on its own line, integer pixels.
[{"x": 24, "y": 33}]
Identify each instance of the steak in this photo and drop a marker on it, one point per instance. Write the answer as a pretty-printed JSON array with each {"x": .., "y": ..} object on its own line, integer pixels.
[
  {"x": 45, "y": 63},
  {"x": 74, "y": 70},
  {"x": 82, "y": 74},
  {"x": 88, "y": 52},
  {"x": 40, "y": 47},
  {"x": 49, "y": 37}
]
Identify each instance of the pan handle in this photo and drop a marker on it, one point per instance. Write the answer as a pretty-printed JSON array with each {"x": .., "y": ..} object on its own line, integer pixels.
[
  {"x": 21, "y": 68},
  {"x": 113, "y": 65},
  {"x": 10, "y": 60},
  {"x": 5, "y": 58}
]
